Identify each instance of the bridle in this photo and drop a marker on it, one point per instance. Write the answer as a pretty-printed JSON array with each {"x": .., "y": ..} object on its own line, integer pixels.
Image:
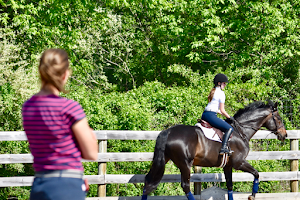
[
  {"x": 277, "y": 127},
  {"x": 244, "y": 137}
]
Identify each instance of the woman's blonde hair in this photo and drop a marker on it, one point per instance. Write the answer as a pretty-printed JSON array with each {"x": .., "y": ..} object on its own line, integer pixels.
[
  {"x": 53, "y": 64},
  {"x": 211, "y": 94}
]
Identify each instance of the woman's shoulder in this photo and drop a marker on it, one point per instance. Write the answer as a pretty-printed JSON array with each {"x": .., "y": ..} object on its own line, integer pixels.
[
  {"x": 49, "y": 99},
  {"x": 70, "y": 104},
  {"x": 219, "y": 91},
  {"x": 69, "y": 101},
  {"x": 62, "y": 100},
  {"x": 39, "y": 99},
  {"x": 219, "y": 94}
]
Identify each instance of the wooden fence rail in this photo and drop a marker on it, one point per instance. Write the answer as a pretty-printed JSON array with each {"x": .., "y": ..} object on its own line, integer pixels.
[
  {"x": 138, "y": 135},
  {"x": 103, "y": 157},
  {"x": 138, "y": 178},
  {"x": 137, "y": 157}
]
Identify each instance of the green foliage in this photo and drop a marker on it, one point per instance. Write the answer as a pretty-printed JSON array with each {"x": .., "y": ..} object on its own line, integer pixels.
[
  {"x": 10, "y": 170},
  {"x": 205, "y": 35},
  {"x": 22, "y": 193},
  {"x": 128, "y": 44},
  {"x": 148, "y": 65},
  {"x": 16, "y": 83}
]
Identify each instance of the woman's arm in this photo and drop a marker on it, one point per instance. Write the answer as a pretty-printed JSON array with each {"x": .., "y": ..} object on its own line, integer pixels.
[
  {"x": 223, "y": 111},
  {"x": 86, "y": 139}
]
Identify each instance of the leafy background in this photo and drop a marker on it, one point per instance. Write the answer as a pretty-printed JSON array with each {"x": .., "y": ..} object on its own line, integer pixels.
[{"x": 147, "y": 65}]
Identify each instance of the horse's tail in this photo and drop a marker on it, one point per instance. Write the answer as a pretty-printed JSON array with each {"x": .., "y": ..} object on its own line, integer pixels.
[{"x": 157, "y": 170}]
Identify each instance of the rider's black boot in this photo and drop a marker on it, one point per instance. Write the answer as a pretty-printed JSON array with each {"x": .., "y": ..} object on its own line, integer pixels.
[{"x": 226, "y": 136}]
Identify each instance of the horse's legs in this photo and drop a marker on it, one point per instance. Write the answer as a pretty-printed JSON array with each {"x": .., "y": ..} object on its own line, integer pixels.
[
  {"x": 228, "y": 177},
  {"x": 246, "y": 167},
  {"x": 185, "y": 169}
]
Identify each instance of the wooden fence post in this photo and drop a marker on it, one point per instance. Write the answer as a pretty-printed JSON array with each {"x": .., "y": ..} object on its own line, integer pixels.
[
  {"x": 102, "y": 168},
  {"x": 197, "y": 185},
  {"x": 294, "y": 164}
]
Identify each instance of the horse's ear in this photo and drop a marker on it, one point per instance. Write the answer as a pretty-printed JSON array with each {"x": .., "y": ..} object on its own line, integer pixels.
[
  {"x": 275, "y": 106},
  {"x": 270, "y": 103}
]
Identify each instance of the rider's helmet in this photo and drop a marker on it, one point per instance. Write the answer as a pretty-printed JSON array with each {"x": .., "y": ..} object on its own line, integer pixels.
[{"x": 220, "y": 78}]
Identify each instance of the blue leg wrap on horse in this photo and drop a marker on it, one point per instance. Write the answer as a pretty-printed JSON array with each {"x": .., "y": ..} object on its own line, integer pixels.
[
  {"x": 190, "y": 196},
  {"x": 144, "y": 197},
  {"x": 230, "y": 195},
  {"x": 255, "y": 186}
]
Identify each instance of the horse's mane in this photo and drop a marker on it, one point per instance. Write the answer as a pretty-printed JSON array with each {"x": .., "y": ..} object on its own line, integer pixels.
[{"x": 253, "y": 106}]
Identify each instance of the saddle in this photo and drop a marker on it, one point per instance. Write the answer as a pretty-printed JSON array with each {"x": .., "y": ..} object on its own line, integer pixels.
[{"x": 217, "y": 131}]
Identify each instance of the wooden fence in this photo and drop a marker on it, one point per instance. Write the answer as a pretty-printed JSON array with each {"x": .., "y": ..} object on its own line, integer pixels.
[{"x": 103, "y": 157}]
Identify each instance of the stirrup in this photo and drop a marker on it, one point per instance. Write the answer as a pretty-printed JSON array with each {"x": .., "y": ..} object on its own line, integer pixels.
[{"x": 227, "y": 150}]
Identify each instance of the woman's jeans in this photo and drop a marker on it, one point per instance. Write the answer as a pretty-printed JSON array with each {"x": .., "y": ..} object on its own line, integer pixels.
[
  {"x": 57, "y": 188},
  {"x": 213, "y": 120}
]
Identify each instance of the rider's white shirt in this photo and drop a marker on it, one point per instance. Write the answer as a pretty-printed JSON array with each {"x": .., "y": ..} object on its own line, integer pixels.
[{"x": 219, "y": 97}]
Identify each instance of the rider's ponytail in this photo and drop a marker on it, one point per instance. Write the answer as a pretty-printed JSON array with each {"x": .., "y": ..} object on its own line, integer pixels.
[{"x": 211, "y": 94}]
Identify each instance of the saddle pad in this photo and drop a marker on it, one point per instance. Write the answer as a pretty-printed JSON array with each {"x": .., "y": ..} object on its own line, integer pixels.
[{"x": 209, "y": 133}]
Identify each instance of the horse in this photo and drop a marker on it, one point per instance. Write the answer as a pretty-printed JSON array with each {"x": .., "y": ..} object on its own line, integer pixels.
[{"x": 187, "y": 146}]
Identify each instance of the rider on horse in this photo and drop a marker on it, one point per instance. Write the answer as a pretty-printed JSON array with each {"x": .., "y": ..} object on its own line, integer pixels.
[{"x": 216, "y": 99}]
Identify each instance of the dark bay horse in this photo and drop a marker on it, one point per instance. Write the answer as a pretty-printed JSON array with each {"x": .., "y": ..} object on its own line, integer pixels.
[{"x": 187, "y": 146}]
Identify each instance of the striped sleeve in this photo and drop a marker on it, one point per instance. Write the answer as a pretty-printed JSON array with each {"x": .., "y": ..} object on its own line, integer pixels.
[{"x": 72, "y": 112}]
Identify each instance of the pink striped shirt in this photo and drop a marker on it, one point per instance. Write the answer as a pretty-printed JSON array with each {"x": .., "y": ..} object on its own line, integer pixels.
[{"x": 47, "y": 121}]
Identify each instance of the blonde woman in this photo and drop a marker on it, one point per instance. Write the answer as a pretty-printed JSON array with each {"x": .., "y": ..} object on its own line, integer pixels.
[{"x": 58, "y": 134}]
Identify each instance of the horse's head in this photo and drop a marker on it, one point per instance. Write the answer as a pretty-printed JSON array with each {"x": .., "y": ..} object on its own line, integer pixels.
[
  {"x": 258, "y": 114},
  {"x": 274, "y": 123}
]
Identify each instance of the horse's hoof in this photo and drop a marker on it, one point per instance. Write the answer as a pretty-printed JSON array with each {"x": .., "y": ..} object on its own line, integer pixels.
[{"x": 251, "y": 197}]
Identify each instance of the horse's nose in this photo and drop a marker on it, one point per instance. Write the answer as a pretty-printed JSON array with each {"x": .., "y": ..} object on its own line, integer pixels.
[{"x": 281, "y": 136}]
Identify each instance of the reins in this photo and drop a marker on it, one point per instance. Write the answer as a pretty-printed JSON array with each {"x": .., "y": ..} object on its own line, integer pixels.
[
  {"x": 244, "y": 137},
  {"x": 241, "y": 134}
]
